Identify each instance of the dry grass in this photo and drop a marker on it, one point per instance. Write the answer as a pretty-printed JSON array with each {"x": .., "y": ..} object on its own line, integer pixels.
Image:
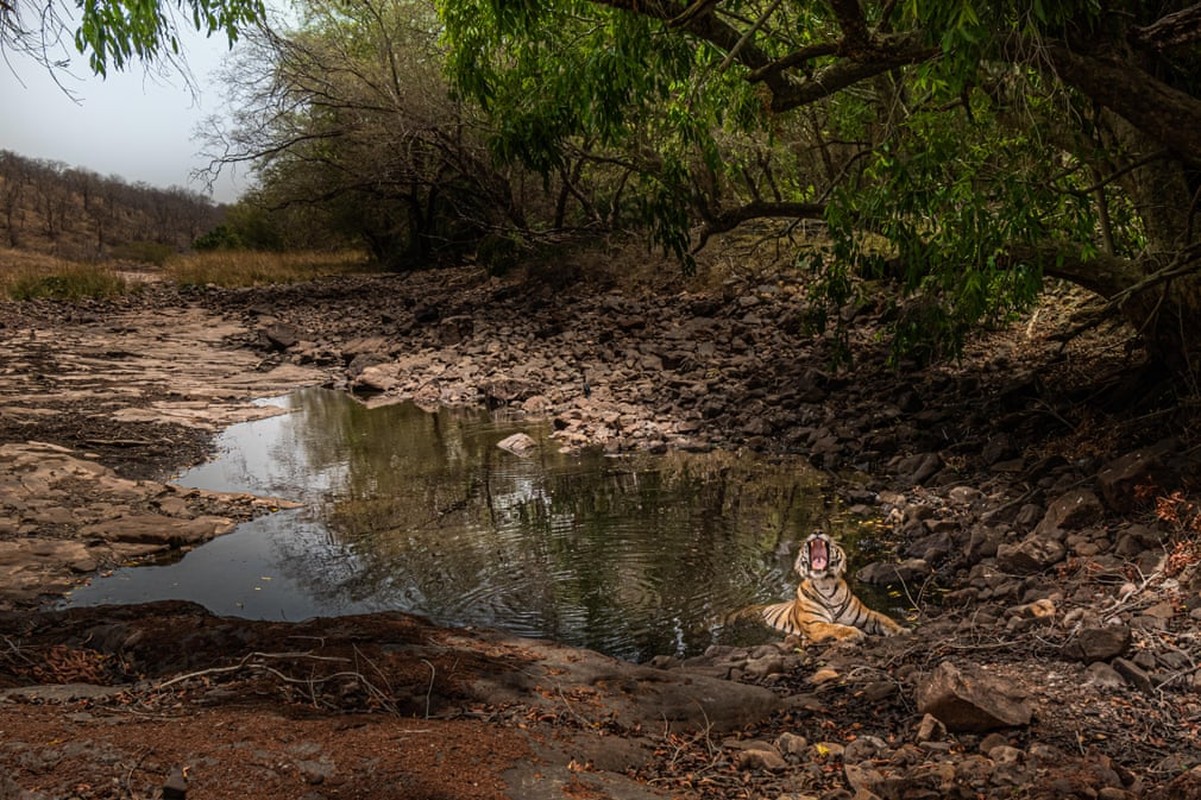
[
  {"x": 250, "y": 268},
  {"x": 26, "y": 275}
]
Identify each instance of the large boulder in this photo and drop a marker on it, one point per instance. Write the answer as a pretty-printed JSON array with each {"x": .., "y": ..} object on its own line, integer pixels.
[{"x": 969, "y": 701}]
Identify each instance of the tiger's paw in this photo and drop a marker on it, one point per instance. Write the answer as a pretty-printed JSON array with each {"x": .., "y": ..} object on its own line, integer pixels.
[{"x": 831, "y": 631}]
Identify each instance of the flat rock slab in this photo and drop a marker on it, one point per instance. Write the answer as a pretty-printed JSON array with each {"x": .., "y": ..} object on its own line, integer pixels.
[
  {"x": 170, "y": 365},
  {"x": 596, "y": 685},
  {"x": 63, "y": 516}
]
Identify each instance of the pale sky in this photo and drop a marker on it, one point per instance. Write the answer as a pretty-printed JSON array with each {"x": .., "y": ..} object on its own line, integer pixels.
[{"x": 133, "y": 124}]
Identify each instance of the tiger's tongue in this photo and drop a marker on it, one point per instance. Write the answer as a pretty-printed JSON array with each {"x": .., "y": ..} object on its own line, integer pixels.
[{"x": 817, "y": 554}]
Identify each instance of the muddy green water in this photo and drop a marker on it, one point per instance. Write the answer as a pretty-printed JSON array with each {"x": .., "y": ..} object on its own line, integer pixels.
[{"x": 420, "y": 511}]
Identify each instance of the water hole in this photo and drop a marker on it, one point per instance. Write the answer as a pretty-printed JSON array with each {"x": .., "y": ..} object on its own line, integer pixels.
[{"x": 419, "y": 511}]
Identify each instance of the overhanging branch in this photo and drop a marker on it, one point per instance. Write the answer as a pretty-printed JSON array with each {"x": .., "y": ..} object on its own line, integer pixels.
[
  {"x": 731, "y": 218},
  {"x": 1172, "y": 30}
]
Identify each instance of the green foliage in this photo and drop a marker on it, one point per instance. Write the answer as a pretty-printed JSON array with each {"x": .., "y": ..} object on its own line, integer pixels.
[
  {"x": 931, "y": 174},
  {"x": 114, "y": 32},
  {"x": 250, "y": 224},
  {"x": 143, "y": 252},
  {"x": 560, "y": 77},
  {"x": 73, "y": 282},
  {"x": 221, "y": 237}
]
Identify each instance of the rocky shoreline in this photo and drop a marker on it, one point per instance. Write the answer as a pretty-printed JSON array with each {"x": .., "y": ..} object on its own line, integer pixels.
[{"x": 1041, "y": 529}]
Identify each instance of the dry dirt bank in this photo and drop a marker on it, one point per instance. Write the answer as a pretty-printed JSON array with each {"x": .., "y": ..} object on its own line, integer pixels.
[{"x": 1055, "y": 638}]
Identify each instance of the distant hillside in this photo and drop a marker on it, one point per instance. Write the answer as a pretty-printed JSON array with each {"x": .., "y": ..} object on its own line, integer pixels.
[{"x": 72, "y": 212}]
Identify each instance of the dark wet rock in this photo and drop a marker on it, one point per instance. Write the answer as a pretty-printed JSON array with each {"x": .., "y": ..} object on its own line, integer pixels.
[
  {"x": 968, "y": 700},
  {"x": 502, "y": 391},
  {"x": 1098, "y": 644},
  {"x": 1138, "y": 538},
  {"x": 917, "y": 469},
  {"x": 932, "y": 547},
  {"x": 983, "y": 544}
]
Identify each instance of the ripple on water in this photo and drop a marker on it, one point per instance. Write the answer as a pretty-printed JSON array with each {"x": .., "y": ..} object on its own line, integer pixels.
[{"x": 421, "y": 512}]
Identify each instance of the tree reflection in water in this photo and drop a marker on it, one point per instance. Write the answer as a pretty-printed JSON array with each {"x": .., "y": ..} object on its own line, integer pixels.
[{"x": 420, "y": 511}]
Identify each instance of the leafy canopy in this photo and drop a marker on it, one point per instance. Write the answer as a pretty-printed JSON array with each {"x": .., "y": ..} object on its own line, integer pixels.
[{"x": 942, "y": 141}]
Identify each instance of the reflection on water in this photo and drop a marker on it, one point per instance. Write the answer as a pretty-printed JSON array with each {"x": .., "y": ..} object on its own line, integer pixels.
[{"x": 421, "y": 512}]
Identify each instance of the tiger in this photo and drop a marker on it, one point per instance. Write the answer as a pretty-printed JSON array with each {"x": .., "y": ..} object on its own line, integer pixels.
[{"x": 824, "y": 607}]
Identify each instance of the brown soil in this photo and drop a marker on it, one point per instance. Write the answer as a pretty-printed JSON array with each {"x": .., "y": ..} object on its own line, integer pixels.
[{"x": 109, "y": 703}]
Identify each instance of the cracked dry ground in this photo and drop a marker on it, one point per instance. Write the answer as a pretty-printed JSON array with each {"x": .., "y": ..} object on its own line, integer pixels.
[{"x": 963, "y": 464}]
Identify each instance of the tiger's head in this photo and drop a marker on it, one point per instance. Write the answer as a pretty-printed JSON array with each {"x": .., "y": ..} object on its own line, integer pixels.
[{"x": 820, "y": 557}]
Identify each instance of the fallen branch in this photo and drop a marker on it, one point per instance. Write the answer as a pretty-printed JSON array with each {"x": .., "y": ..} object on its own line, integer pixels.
[{"x": 243, "y": 664}]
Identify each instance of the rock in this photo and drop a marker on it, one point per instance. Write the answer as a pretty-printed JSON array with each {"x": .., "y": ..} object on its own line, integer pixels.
[
  {"x": 176, "y": 785},
  {"x": 964, "y": 495},
  {"x": 761, "y": 759},
  {"x": 1033, "y": 554},
  {"x": 983, "y": 544},
  {"x": 502, "y": 391},
  {"x": 993, "y": 740},
  {"x": 970, "y": 701},
  {"x": 790, "y": 744},
  {"x": 281, "y": 335},
  {"x": 1070, "y": 511},
  {"x": 1043, "y": 608},
  {"x": 361, "y": 361},
  {"x": 1138, "y": 538},
  {"x": 864, "y": 748},
  {"x": 376, "y": 378},
  {"x": 917, "y": 469},
  {"x": 1118, "y": 479},
  {"x": 519, "y": 444},
  {"x": 1135, "y": 675},
  {"x": 1101, "y": 674},
  {"x": 883, "y": 573},
  {"x": 1098, "y": 644},
  {"x": 930, "y": 729},
  {"x": 453, "y": 330},
  {"x": 863, "y": 780}
]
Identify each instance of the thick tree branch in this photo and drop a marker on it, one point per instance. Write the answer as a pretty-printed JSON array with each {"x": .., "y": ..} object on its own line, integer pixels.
[
  {"x": 869, "y": 53},
  {"x": 793, "y": 59},
  {"x": 1167, "y": 114},
  {"x": 893, "y": 52},
  {"x": 1104, "y": 274},
  {"x": 730, "y": 219},
  {"x": 1172, "y": 30}
]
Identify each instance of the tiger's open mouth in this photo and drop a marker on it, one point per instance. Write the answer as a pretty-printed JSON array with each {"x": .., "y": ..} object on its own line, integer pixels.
[{"x": 819, "y": 554}]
